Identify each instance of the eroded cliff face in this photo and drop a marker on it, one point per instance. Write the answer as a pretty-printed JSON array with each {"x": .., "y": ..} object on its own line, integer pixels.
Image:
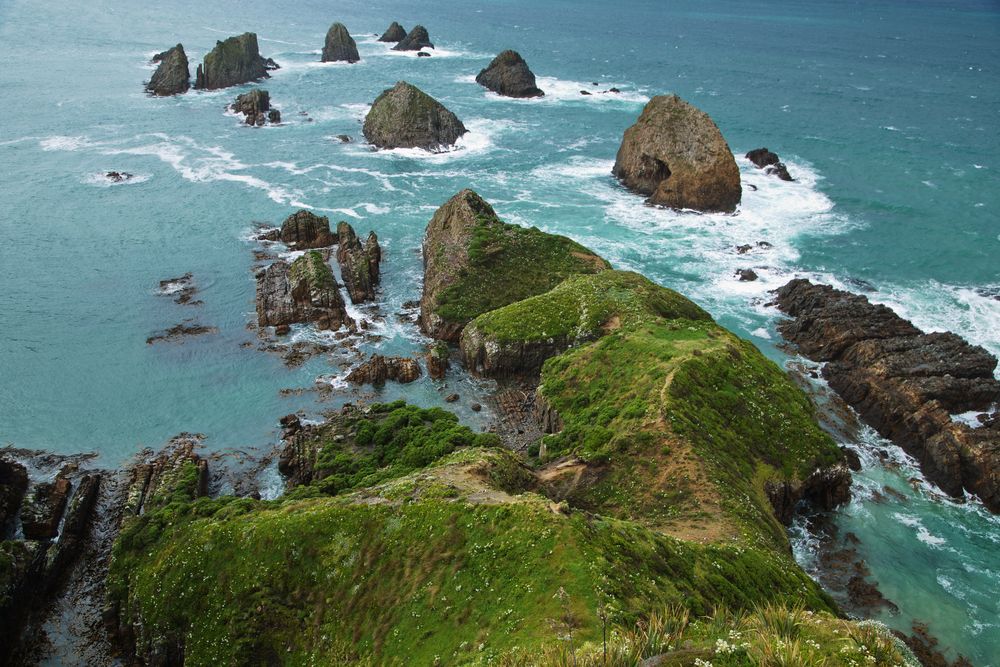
[
  {"x": 676, "y": 157},
  {"x": 904, "y": 383}
]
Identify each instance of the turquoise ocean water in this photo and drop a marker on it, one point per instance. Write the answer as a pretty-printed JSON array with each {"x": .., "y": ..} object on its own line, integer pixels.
[{"x": 886, "y": 112}]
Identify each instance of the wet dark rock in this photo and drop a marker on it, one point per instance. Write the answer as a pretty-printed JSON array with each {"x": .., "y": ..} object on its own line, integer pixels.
[
  {"x": 359, "y": 265},
  {"x": 256, "y": 108},
  {"x": 769, "y": 162},
  {"x": 340, "y": 46},
  {"x": 180, "y": 331},
  {"x": 13, "y": 485},
  {"x": 746, "y": 275},
  {"x": 394, "y": 33},
  {"x": 451, "y": 398},
  {"x": 344, "y": 139},
  {"x": 475, "y": 407},
  {"x": 903, "y": 382},
  {"x": 586, "y": 92},
  {"x": 43, "y": 508},
  {"x": 853, "y": 460},
  {"x": 378, "y": 369},
  {"x": 118, "y": 176},
  {"x": 675, "y": 155},
  {"x": 438, "y": 360},
  {"x": 305, "y": 291},
  {"x": 415, "y": 40},
  {"x": 181, "y": 288},
  {"x": 290, "y": 425},
  {"x": 744, "y": 249},
  {"x": 172, "y": 77},
  {"x": 866, "y": 595},
  {"x": 824, "y": 489},
  {"x": 614, "y": 91},
  {"x": 304, "y": 230},
  {"x": 423, "y": 54},
  {"x": 406, "y": 117},
  {"x": 233, "y": 61},
  {"x": 508, "y": 75}
]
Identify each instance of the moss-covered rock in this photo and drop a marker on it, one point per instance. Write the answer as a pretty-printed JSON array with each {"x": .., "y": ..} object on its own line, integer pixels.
[
  {"x": 474, "y": 263},
  {"x": 406, "y": 117},
  {"x": 517, "y": 339},
  {"x": 304, "y": 230},
  {"x": 233, "y": 61},
  {"x": 172, "y": 76},
  {"x": 676, "y": 156},
  {"x": 359, "y": 264},
  {"x": 394, "y": 33},
  {"x": 305, "y": 291},
  {"x": 415, "y": 40},
  {"x": 339, "y": 45}
]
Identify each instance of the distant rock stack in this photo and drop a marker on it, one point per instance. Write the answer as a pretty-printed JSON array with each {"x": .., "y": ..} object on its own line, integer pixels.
[
  {"x": 676, "y": 156},
  {"x": 770, "y": 163},
  {"x": 172, "y": 77},
  {"x": 406, "y": 117},
  {"x": 394, "y": 33},
  {"x": 232, "y": 62},
  {"x": 256, "y": 107},
  {"x": 508, "y": 75},
  {"x": 415, "y": 40},
  {"x": 305, "y": 230},
  {"x": 340, "y": 46}
]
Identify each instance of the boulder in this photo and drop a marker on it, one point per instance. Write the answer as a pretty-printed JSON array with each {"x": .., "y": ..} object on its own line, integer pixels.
[
  {"x": 13, "y": 484},
  {"x": 474, "y": 262},
  {"x": 339, "y": 46},
  {"x": 359, "y": 265},
  {"x": 769, "y": 162},
  {"x": 256, "y": 107},
  {"x": 305, "y": 291},
  {"x": 232, "y": 62},
  {"x": 904, "y": 383},
  {"x": 746, "y": 275},
  {"x": 172, "y": 77},
  {"x": 438, "y": 360},
  {"x": 508, "y": 75},
  {"x": 415, "y": 40},
  {"x": 304, "y": 230},
  {"x": 676, "y": 156},
  {"x": 43, "y": 508},
  {"x": 378, "y": 369},
  {"x": 406, "y": 117},
  {"x": 394, "y": 33}
]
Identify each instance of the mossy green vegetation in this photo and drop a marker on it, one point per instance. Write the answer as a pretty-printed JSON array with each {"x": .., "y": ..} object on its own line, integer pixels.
[
  {"x": 508, "y": 263},
  {"x": 314, "y": 271}
]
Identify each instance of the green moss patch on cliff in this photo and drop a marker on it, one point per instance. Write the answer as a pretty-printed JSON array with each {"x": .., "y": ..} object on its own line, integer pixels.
[
  {"x": 314, "y": 271},
  {"x": 508, "y": 263}
]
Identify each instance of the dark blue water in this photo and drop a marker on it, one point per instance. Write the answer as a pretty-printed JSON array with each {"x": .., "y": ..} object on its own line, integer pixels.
[{"x": 886, "y": 112}]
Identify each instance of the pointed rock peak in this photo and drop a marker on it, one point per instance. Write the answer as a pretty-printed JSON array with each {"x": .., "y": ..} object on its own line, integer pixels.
[
  {"x": 340, "y": 46},
  {"x": 394, "y": 33},
  {"x": 509, "y": 75},
  {"x": 415, "y": 40},
  {"x": 172, "y": 76},
  {"x": 406, "y": 117}
]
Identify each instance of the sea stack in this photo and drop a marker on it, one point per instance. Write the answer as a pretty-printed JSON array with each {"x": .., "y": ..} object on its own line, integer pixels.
[
  {"x": 508, "y": 75},
  {"x": 394, "y": 33},
  {"x": 406, "y": 117},
  {"x": 415, "y": 40},
  {"x": 232, "y": 62},
  {"x": 256, "y": 107},
  {"x": 304, "y": 230},
  {"x": 304, "y": 291},
  {"x": 340, "y": 46},
  {"x": 770, "y": 163},
  {"x": 359, "y": 264},
  {"x": 172, "y": 77},
  {"x": 676, "y": 156}
]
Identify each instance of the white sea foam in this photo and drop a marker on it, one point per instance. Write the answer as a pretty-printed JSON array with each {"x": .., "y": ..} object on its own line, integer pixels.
[
  {"x": 63, "y": 143},
  {"x": 100, "y": 179},
  {"x": 480, "y": 138},
  {"x": 922, "y": 533},
  {"x": 561, "y": 90}
]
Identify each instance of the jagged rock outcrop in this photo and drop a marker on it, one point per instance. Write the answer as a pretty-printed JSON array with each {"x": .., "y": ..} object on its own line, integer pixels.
[
  {"x": 474, "y": 262},
  {"x": 13, "y": 484},
  {"x": 823, "y": 490},
  {"x": 340, "y": 46},
  {"x": 394, "y": 33},
  {"x": 172, "y": 77},
  {"x": 676, "y": 156},
  {"x": 438, "y": 360},
  {"x": 256, "y": 107},
  {"x": 406, "y": 117},
  {"x": 379, "y": 369},
  {"x": 43, "y": 508},
  {"x": 770, "y": 163},
  {"x": 415, "y": 40},
  {"x": 904, "y": 383},
  {"x": 359, "y": 265},
  {"x": 304, "y": 230},
  {"x": 233, "y": 61},
  {"x": 178, "y": 468},
  {"x": 508, "y": 75},
  {"x": 305, "y": 291}
]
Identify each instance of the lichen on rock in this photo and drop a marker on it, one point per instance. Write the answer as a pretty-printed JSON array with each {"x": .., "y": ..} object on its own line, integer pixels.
[
  {"x": 233, "y": 61},
  {"x": 406, "y": 117},
  {"x": 172, "y": 76}
]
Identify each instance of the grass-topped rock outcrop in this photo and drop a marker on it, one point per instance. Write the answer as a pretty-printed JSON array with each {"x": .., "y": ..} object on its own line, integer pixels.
[
  {"x": 474, "y": 263},
  {"x": 303, "y": 291},
  {"x": 233, "y": 61},
  {"x": 518, "y": 338},
  {"x": 406, "y": 117},
  {"x": 676, "y": 157}
]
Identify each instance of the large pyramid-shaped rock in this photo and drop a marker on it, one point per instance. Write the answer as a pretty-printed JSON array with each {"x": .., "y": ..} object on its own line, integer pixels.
[
  {"x": 340, "y": 46},
  {"x": 172, "y": 76},
  {"x": 232, "y": 62},
  {"x": 394, "y": 33},
  {"x": 406, "y": 117},
  {"x": 414, "y": 41},
  {"x": 676, "y": 156},
  {"x": 509, "y": 75}
]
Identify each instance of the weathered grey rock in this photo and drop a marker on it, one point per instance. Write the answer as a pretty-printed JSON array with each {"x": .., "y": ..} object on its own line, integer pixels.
[
  {"x": 509, "y": 75},
  {"x": 359, "y": 265},
  {"x": 43, "y": 508},
  {"x": 676, "y": 156},
  {"x": 232, "y": 62},
  {"x": 340, "y": 46},
  {"x": 770, "y": 163},
  {"x": 306, "y": 291},
  {"x": 903, "y": 382},
  {"x": 415, "y": 40},
  {"x": 394, "y": 33},
  {"x": 378, "y": 369},
  {"x": 256, "y": 107},
  {"x": 304, "y": 230},
  {"x": 406, "y": 117},
  {"x": 13, "y": 484},
  {"x": 172, "y": 76}
]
